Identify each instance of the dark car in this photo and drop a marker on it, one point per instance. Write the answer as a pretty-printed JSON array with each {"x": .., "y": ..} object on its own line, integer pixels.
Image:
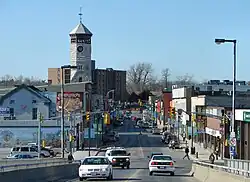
[{"x": 52, "y": 153}]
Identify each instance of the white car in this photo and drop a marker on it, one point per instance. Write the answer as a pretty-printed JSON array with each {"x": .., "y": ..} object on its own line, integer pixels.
[
  {"x": 161, "y": 164},
  {"x": 95, "y": 167},
  {"x": 118, "y": 156}
]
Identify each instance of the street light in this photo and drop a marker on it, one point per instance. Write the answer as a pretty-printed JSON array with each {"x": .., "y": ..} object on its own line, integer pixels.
[
  {"x": 107, "y": 97},
  {"x": 221, "y": 41},
  {"x": 62, "y": 105}
]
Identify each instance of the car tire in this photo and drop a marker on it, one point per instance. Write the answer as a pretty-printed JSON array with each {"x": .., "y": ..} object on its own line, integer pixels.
[
  {"x": 172, "y": 174},
  {"x": 110, "y": 177},
  {"x": 150, "y": 173},
  {"x": 81, "y": 179},
  {"x": 42, "y": 155}
]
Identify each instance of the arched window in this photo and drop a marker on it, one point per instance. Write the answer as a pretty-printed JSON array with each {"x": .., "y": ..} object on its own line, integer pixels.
[{"x": 80, "y": 79}]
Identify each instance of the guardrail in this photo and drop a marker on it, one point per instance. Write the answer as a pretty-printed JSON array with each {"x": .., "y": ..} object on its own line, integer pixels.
[
  {"x": 12, "y": 167},
  {"x": 30, "y": 161},
  {"x": 210, "y": 172}
]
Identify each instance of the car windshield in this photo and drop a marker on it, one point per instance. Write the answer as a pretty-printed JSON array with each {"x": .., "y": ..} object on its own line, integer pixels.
[
  {"x": 163, "y": 158},
  {"x": 95, "y": 161},
  {"x": 118, "y": 153}
]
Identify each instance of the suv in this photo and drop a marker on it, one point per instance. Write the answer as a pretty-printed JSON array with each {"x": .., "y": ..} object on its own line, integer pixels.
[
  {"x": 29, "y": 150},
  {"x": 118, "y": 156}
]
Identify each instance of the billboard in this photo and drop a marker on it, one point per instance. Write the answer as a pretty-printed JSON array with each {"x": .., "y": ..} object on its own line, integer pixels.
[{"x": 72, "y": 101}]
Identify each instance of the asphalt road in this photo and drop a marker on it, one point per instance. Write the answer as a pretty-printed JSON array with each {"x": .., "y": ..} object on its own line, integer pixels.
[{"x": 141, "y": 146}]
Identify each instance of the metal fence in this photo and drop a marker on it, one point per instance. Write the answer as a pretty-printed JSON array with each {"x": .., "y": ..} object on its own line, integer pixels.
[
  {"x": 236, "y": 170},
  {"x": 238, "y": 165}
]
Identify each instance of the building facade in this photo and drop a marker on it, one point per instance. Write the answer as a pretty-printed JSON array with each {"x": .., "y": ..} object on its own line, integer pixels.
[
  {"x": 108, "y": 79},
  {"x": 182, "y": 100},
  {"x": 25, "y": 102}
]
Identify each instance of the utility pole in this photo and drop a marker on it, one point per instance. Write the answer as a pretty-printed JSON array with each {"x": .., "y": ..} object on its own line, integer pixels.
[
  {"x": 70, "y": 133},
  {"x": 179, "y": 119},
  {"x": 62, "y": 113},
  {"x": 39, "y": 134}
]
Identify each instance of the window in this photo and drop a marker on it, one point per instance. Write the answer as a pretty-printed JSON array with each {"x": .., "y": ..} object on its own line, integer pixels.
[
  {"x": 95, "y": 161},
  {"x": 119, "y": 153},
  {"x": 165, "y": 158},
  {"x": 12, "y": 101},
  {"x": 12, "y": 112},
  {"x": 33, "y": 101},
  {"x": 33, "y": 149},
  {"x": 24, "y": 149},
  {"x": 34, "y": 113}
]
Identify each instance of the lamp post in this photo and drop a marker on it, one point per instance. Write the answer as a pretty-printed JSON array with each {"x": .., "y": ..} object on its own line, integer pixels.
[
  {"x": 62, "y": 105},
  {"x": 222, "y": 41},
  {"x": 107, "y": 97}
]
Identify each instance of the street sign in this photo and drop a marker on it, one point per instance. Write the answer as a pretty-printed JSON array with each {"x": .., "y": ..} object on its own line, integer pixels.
[
  {"x": 86, "y": 133},
  {"x": 246, "y": 116},
  {"x": 233, "y": 142},
  {"x": 233, "y": 150}
]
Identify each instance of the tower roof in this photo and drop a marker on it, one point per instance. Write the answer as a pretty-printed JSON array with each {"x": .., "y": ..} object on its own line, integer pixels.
[{"x": 80, "y": 29}]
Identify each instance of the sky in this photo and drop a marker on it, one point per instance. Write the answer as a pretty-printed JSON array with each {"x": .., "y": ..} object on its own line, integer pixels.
[{"x": 178, "y": 35}]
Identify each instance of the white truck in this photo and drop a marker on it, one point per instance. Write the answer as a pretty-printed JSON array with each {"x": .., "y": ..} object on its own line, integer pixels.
[{"x": 118, "y": 156}]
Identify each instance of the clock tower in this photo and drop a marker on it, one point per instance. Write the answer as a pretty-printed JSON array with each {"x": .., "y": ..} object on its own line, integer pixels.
[{"x": 80, "y": 53}]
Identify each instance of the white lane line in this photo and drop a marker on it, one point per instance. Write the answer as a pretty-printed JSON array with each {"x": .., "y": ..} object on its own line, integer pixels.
[{"x": 139, "y": 140}]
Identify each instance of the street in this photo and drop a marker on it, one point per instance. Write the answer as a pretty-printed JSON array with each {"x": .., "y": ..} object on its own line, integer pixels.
[{"x": 141, "y": 146}]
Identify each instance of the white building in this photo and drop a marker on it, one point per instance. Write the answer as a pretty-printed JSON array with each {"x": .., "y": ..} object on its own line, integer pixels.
[{"x": 80, "y": 53}]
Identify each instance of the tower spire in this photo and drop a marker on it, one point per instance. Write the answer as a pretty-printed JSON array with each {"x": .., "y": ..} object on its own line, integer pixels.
[{"x": 80, "y": 14}]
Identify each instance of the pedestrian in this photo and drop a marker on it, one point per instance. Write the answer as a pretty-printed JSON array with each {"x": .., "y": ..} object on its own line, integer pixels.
[
  {"x": 70, "y": 158},
  {"x": 186, "y": 153}
]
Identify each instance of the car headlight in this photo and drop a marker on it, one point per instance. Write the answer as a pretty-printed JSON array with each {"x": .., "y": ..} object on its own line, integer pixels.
[{"x": 105, "y": 169}]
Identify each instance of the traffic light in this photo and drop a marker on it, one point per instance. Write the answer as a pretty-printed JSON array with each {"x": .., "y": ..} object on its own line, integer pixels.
[
  {"x": 106, "y": 118},
  {"x": 140, "y": 102},
  {"x": 171, "y": 112},
  {"x": 41, "y": 118},
  {"x": 87, "y": 116}
]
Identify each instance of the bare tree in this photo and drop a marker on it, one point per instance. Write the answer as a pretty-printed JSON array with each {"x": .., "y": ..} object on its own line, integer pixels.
[
  {"x": 139, "y": 76},
  {"x": 10, "y": 81},
  {"x": 165, "y": 77},
  {"x": 185, "y": 80}
]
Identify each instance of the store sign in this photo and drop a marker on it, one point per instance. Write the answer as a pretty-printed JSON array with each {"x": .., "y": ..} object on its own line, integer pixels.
[{"x": 246, "y": 116}]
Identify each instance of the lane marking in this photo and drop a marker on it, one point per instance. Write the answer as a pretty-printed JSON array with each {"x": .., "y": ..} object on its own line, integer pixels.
[
  {"x": 133, "y": 175},
  {"x": 139, "y": 140}
]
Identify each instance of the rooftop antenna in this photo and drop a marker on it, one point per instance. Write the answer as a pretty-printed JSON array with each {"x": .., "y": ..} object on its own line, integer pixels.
[{"x": 80, "y": 14}]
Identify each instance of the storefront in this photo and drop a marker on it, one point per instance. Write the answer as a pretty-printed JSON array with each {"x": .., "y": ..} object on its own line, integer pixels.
[{"x": 242, "y": 130}]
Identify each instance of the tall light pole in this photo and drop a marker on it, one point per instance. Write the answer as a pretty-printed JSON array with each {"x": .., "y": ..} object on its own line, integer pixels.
[
  {"x": 232, "y": 128},
  {"x": 107, "y": 97},
  {"x": 62, "y": 105}
]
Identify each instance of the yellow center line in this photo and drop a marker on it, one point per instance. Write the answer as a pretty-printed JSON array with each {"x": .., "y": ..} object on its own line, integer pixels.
[{"x": 133, "y": 175}]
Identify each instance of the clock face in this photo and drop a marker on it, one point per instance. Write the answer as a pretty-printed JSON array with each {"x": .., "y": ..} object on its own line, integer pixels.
[{"x": 79, "y": 48}]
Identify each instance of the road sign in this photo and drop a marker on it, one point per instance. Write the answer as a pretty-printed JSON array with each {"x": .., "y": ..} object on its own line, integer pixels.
[
  {"x": 86, "y": 133},
  {"x": 233, "y": 150},
  {"x": 233, "y": 142}
]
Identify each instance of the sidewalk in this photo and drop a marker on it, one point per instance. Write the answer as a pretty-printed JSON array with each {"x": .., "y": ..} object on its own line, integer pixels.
[{"x": 203, "y": 154}]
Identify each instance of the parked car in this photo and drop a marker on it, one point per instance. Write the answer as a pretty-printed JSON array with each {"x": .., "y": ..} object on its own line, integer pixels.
[
  {"x": 20, "y": 156},
  {"x": 31, "y": 150}
]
